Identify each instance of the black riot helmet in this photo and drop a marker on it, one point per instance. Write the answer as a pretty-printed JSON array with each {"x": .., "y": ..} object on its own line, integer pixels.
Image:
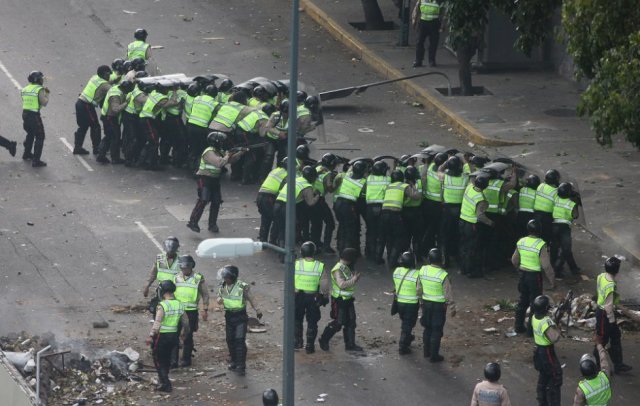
[
  {"x": 230, "y": 272},
  {"x": 552, "y": 177},
  {"x": 492, "y": 372},
  {"x": 138, "y": 64},
  {"x": 126, "y": 67},
  {"x": 302, "y": 152},
  {"x": 541, "y": 305},
  {"x": 349, "y": 255},
  {"x": 270, "y": 398},
  {"x": 479, "y": 161},
  {"x": 588, "y": 367},
  {"x": 140, "y": 34},
  {"x": 310, "y": 174},
  {"x": 358, "y": 168},
  {"x": 283, "y": 163},
  {"x": 434, "y": 257},
  {"x": 126, "y": 86},
  {"x": 217, "y": 139},
  {"x": 612, "y": 265},
  {"x": 380, "y": 168},
  {"x": 268, "y": 109},
  {"x": 565, "y": 190},
  {"x": 454, "y": 166},
  {"x": 193, "y": 90},
  {"x": 404, "y": 160},
  {"x": 397, "y": 176},
  {"x": 239, "y": 97},
  {"x": 260, "y": 93},
  {"x": 301, "y": 96},
  {"x": 103, "y": 72},
  {"x": 36, "y": 77},
  {"x": 312, "y": 102},
  {"x": 411, "y": 174},
  {"x": 141, "y": 74},
  {"x": 407, "y": 260},
  {"x": 533, "y": 227},
  {"x": 118, "y": 65},
  {"x": 533, "y": 181},
  {"x": 307, "y": 249},
  {"x": 440, "y": 158},
  {"x": 481, "y": 181},
  {"x": 284, "y": 107},
  {"x": 226, "y": 85},
  {"x": 210, "y": 90},
  {"x": 328, "y": 160},
  {"x": 171, "y": 245},
  {"x": 186, "y": 261},
  {"x": 167, "y": 286}
]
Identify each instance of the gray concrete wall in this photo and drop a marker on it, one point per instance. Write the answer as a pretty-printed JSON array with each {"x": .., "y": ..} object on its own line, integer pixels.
[{"x": 14, "y": 391}]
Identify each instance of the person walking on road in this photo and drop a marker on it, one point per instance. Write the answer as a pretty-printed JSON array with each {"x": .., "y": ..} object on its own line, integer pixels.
[
  {"x": 164, "y": 269},
  {"x": 11, "y": 146},
  {"x": 426, "y": 19},
  {"x": 545, "y": 360},
  {"x": 92, "y": 96},
  {"x": 407, "y": 293},
  {"x": 34, "y": 97},
  {"x": 489, "y": 392},
  {"x": 595, "y": 387}
]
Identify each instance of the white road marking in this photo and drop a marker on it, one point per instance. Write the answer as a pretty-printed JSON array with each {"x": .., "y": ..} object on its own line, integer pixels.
[
  {"x": 81, "y": 159},
  {"x": 150, "y": 236},
  {"x": 10, "y": 76}
]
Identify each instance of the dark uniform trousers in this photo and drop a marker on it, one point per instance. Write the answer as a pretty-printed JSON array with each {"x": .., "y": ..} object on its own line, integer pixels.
[
  {"x": 187, "y": 344},
  {"x": 309, "y": 222},
  {"x": 236, "y": 332},
  {"x": 87, "y": 118},
  {"x": 434, "y": 315},
  {"x": 393, "y": 235},
  {"x": 306, "y": 305},
  {"x": 343, "y": 314},
  {"x": 326, "y": 218},
  {"x": 111, "y": 140},
  {"x": 163, "y": 347},
  {"x": 279, "y": 222},
  {"x": 265, "y": 203},
  {"x": 523, "y": 218},
  {"x": 530, "y": 287},
  {"x": 562, "y": 238},
  {"x": 609, "y": 333},
  {"x": 449, "y": 231},
  {"x": 432, "y": 214},
  {"x": 348, "y": 225},
  {"x": 32, "y": 124},
  {"x": 429, "y": 29},
  {"x": 546, "y": 232},
  {"x": 373, "y": 221},
  {"x": 208, "y": 192},
  {"x": 415, "y": 228},
  {"x": 196, "y": 142},
  {"x": 132, "y": 141},
  {"x": 173, "y": 140},
  {"x": 549, "y": 370},
  {"x": 408, "y": 313},
  {"x": 152, "y": 141},
  {"x": 470, "y": 258}
]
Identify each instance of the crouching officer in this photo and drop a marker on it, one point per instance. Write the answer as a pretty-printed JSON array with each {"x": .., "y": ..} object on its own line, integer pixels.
[
  {"x": 545, "y": 360},
  {"x": 233, "y": 294},
  {"x": 163, "y": 337},
  {"x": 489, "y": 392},
  {"x": 311, "y": 293},
  {"x": 407, "y": 293},
  {"x": 165, "y": 269},
  {"x": 595, "y": 388},
  {"x": 190, "y": 289}
]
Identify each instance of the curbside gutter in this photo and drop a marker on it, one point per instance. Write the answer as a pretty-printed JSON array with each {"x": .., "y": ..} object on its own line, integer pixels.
[{"x": 429, "y": 100}]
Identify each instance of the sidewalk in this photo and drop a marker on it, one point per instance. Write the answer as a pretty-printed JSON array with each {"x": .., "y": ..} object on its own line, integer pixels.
[{"x": 530, "y": 116}]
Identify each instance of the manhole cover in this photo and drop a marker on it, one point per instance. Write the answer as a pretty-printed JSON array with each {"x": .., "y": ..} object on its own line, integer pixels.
[{"x": 560, "y": 112}]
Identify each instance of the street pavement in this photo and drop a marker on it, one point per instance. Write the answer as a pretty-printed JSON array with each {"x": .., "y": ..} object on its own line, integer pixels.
[{"x": 79, "y": 237}]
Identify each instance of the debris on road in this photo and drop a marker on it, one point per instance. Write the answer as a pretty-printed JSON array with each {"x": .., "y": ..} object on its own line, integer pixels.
[{"x": 100, "y": 324}]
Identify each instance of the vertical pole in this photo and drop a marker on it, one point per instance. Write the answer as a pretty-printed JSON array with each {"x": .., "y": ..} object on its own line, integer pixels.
[
  {"x": 288, "y": 361},
  {"x": 405, "y": 23}
]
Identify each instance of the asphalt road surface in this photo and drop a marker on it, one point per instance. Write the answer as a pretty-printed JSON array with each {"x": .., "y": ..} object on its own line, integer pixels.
[{"x": 78, "y": 237}]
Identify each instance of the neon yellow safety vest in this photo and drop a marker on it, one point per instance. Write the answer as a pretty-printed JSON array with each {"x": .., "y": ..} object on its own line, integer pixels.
[
  {"x": 249, "y": 122},
  {"x": 115, "y": 78},
  {"x": 453, "y": 188},
  {"x": 228, "y": 114},
  {"x": 255, "y": 102},
  {"x": 336, "y": 292},
  {"x": 307, "y": 275},
  {"x": 302, "y": 111},
  {"x": 350, "y": 189},
  {"x": 282, "y": 125},
  {"x": 149, "y": 106},
  {"x": 319, "y": 183},
  {"x": 470, "y": 202},
  {"x": 432, "y": 280},
  {"x": 414, "y": 202},
  {"x": 202, "y": 110},
  {"x": 394, "y": 195},
  {"x": 166, "y": 272},
  {"x": 434, "y": 185},
  {"x": 301, "y": 184},
  {"x": 89, "y": 91},
  {"x": 492, "y": 194},
  {"x": 606, "y": 287},
  {"x": 503, "y": 208},
  {"x": 187, "y": 290},
  {"x": 563, "y": 210},
  {"x": 273, "y": 183},
  {"x": 233, "y": 300},
  {"x": 526, "y": 199},
  {"x": 137, "y": 49},
  {"x": 376, "y": 187},
  {"x": 30, "y": 100},
  {"x": 408, "y": 291},
  {"x": 222, "y": 97},
  {"x": 466, "y": 168},
  {"x": 213, "y": 170},
  {"x": 132, "y": 108},
  {"x": 114, "y": 91},
  {"x": 545, "y": 196},
  {"x": 429, "y": 11},
  {"x": 173, "y": 310},
  {"x": 539, "y": 329},
  {"x": 175, "y": 110},
  {"x": 188, "y": 106},
  {"x": 529, "y": 249},
  {"x": 597, "y": 391}
]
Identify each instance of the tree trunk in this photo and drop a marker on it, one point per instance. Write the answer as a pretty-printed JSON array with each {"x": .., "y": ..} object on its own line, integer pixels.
[
  {"x": 372, "y": 15},
  {"x": 464, "y": 54}
]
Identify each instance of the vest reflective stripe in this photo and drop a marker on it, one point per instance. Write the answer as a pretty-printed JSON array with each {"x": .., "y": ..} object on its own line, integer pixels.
[
  {"x": 166, "y": 272},
  {"x": 376, "y": 186},
  {"x": 394, "y": 195},
  {"x": 563, "y": 210},
  {"x": 202, "y": 110},
  {"x": 597, "y": 391},
  {"x": 429, "y": 11},
  {"x": 545, "y": 196},
  {"x": 30, "y": 99},
  {"x": 175, "y": 110},
  {"x": 228, "y": 114},
  {"x": 453, "y": 188},
  {"x": 504, "y": 203},
  {"x": 466, "y": 168},
  {"x": 350, "y": 188},
  {"x": 233, "y": 299},
  {"x": 273, "y": 181},
  {"x": 492, "y": 194},
  {"x": 432, "y": 280},
  {"x": 539, "y": 328},
  {"x": 336, "y": 292},
  {"x": 150, "y": 105},
  {"x": 89, "y": 91},
  {"x": 255, "y": 102},
  {"x": 529, "y": 249},
  {"x": 131, "y": 106},
  {"x": 411, "y": 202},
  {"x": 137, "y": 49},
  {"x": 282, "y": 125},
  {"x": 319, "y": 182},
  {"x": 307, "y": 275},
  {"x": 526, "y": 199},
  {"x": 248, "y": 123},
  {"x": 301, "y": 184},
  {"x": 408, "y": 290},
  {"x": 188, "y": 106},
  {"x": 213, "y": 170},
  {"x": 114, "y": 91},
  {"x": 187, "y": 290},
  {"x": 606, "y": 288},
  {"x": 469, "y": 204},
  {"x": 173, "y": 310},
  {"x": 434, "y": 185}
]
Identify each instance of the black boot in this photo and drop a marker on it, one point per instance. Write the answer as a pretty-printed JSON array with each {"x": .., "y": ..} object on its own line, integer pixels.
[
  {"x": 328, "y": 332},
  {"x": 312, "y": 333},
  {"x": 297, "y": 336},
  {"x": 403, "y": 344},
  {"x": 164, "y": 382},
  {"x": 435, "y": 350},
  {"x": 350, "y": 339},
  {"x": 241, "y": 357},
  {"x": 186, "y": 356}
]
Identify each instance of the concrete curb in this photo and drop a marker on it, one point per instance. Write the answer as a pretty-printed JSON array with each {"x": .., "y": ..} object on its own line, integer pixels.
[{"x": 429, "y": 100}]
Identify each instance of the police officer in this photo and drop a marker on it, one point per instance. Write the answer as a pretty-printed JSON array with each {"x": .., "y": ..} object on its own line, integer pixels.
[
  {"x": 266, "y": 200},
  {"x": 276, "y": 135},
  {"x": 495, "y": 195},
  {"x": 139, "y": 47},
  {"x": 132, "y": 136},
  {"x": 530, "y": 258},
  {"x": 428, "y": 13},
  {"x": 436, "y": 297},
  {"x": 34, "y": 97},
  {"x": 251, "y": 130},
  {"x": 225, "y": 90},
  {"x": 153, "y": 110},
  {"x": 260, "y": 98},
  {"x": 377, "y": 183},
  {"x": 454, "y": 183},
  {"x": 174, "y": 136},
  {"x": 607, "y": 329},
  {"x": 115, "y": 101},
  {"x": 473, "y": 221},
  {"x": 190, "y": 289},
  {"x": 213, "y": 159},
  {"x": 323, "y": 185},
  {"x": 304, "y": 119},
  {"x": 545, "y": 360},
  {"x": 234, "y": 294},
  {"x": 526, "y": 202},
  {"x": 11, "y": 146},
  {"x": 432, "y": 202},
  {"x": 348, "y": 190},
  {"x": 412, "y": 212},
  {"x": 137, "y": 65},
  {"x": 92, "y": 96},
  {"x": 343, "y": 312},
  {"x": 163, "y": 337},
  {"x": 565, "y": 211},
  {"x": 489, "y": 392},
  {"x": 164, "y": 269},
  {"x": 543, "y": 206},
  {"x": 595, "y": 387},
  {"x": 407, "y": 293},
  {"x": 117, "y": 71},
  {"x": 312, "y": 289},
  {"x": 202, "y": 112}
]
